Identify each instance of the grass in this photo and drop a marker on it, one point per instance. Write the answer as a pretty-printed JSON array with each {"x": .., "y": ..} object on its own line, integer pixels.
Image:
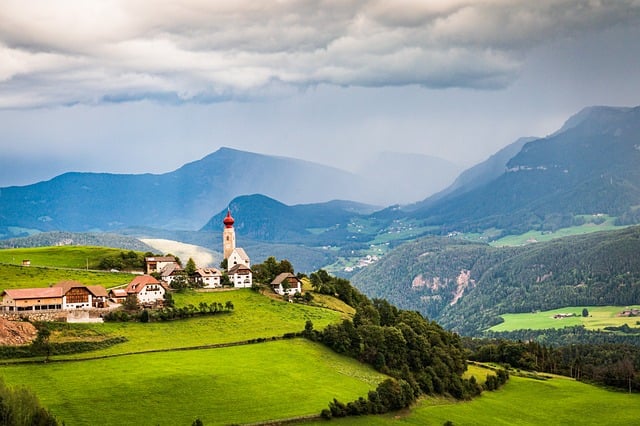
[
  {"x": 540, "y": 236},
  {"x": 75, "y": 257},
  {"x": 220, "y": 386},
  {"x": 599, "y": 317},
  {"x": 522, "y": 401},
  {"x": 254, "y": 316},
  {"x": 12, "y": 276}
]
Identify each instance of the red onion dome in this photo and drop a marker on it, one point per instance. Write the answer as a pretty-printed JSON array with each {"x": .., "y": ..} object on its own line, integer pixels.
[{"x": 228, "y": 220}]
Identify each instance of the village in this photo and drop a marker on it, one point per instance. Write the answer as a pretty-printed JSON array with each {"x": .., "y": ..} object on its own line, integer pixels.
[{"x": 149, "y": 289}]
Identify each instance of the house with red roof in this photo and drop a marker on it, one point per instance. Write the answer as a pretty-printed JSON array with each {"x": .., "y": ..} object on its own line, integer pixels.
[
  {"x": 148, "y": 290},
  {"x": 63, "y": 295}
]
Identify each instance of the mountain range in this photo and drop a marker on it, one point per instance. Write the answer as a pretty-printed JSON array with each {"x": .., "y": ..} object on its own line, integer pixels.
[{"x": 185, "y": 198}]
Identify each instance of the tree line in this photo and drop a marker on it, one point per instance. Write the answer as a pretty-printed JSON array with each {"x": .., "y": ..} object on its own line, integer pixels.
[
  {"x": 420, "y": 356},
  {"x": 610, "y": 364}
]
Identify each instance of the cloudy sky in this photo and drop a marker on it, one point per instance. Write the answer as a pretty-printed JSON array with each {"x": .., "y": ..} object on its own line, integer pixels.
[{"x": 132, "y": 86}]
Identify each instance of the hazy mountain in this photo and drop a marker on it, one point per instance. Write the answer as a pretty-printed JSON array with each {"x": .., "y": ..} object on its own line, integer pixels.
[
  {"x": 409, "y": 177},
  {"x": 182, "y": 199},
  {"x": 262, "y": 218},
  {"x": 592, "y": 166}
]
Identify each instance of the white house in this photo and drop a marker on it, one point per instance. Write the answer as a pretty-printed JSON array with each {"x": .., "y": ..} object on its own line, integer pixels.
[
  {"x": 238, "y": 257},
  {"x": 241, "y": 276},
  {"x": 147, "y": 289},
  {"x": 209, "y": 277},
  {"x": 286, "y": 283}
]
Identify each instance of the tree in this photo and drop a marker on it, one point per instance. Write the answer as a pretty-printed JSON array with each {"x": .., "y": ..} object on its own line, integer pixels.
[
  {"x": 190, "y": 268},
  {"x": 131, "y": 302},
  {"x": 144, "y": 316},
  {"x": 225, "y": 281},
  {"x": 41, "y": 344},
  {"x": 179, "y": 282},
  {"x": 585, "y": 312},
  {"x": 224, "y": 264}
]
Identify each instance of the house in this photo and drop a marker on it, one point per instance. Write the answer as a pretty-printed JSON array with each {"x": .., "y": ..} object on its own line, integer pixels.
[
  {"x": 157, "y": 263},
  {"x": 63, "y": 295},
  {"x": 286, "y": 283},
  {"x": 209, "y": 277},
  {"x": 118, "y": 295},
  {"x": 241, "y": 276},
  {"x": 170, "y": 271},
  {"x": 147, "y": 289},
  {"x": 32, "y": 299},
  {"x": 238, "y": 257}
]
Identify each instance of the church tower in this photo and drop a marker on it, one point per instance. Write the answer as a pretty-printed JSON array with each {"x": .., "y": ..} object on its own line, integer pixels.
[{"x": 228, "y": 236}]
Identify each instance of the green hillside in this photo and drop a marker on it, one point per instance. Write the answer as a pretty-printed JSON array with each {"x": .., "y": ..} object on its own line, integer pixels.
[
  {"x": 522, "y": 401},
  {"x": 466, "y": 285}
]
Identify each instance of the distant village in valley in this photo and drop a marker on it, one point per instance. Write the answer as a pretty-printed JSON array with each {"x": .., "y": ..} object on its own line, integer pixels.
[{"x": 162, "y": 275}]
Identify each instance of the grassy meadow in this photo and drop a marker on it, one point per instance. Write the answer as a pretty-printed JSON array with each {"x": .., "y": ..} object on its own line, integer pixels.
[
  {"x": 76, "y": 257},
  {"x": 239, "y": 384},
  {"x": 254, "y": 316},
  {"x": 50, "y": 265},
  {"x": 599, "y": 317},
  {"x": 540, "y": 236},
  {"x": 12, "y": 276},
  {"x": 522, "y": 401}
]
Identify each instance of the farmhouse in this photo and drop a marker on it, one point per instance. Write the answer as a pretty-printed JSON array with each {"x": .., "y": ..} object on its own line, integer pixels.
[
  {"x": 209, "y": 277},
  {"x": 286, "y": 283},
  {"x": 241, "y": 276},
  {"x": 63, "y": 295},
  {"x": 170, "y": 271},
  {"x": 157, "y": 263},
  {"x": 118, "y": 295},
  {"x": 238, "y": 263},
  {"x": 147, "y": 290}
]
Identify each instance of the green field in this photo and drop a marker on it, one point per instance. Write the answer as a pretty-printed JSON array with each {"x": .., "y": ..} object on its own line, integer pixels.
[
  {"x": 540, "y": 236},
  {"x": 599, "y": 317},
  {"x": 50, "y": 265},
  {"x": 220, "y": 386},
  {"x": 12, "y": 276},
  {"x": 76, "y": 257},
  {"x": 522, "y": 401},
  {"x": 254, "y": 316}
]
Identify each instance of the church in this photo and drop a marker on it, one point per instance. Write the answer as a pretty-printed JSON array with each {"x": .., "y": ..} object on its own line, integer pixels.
[{"x": 238, "y": 263}]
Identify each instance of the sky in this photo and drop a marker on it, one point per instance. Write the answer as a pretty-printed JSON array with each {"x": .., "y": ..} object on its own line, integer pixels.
[{"x": 133, "y": 86}]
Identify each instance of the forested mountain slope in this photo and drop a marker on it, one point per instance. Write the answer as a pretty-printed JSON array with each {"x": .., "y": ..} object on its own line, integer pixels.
[
  {"x": 590, "y": 166},
  {"x": 465, "y": 286}
]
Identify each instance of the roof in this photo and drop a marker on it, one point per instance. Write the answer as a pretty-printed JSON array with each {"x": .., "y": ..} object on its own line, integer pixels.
[
  {"x": 241, "y": 253},
  {"x": 239, "y": 269},
  {"x": 34, "y": 293},
  {"x": 69, "y": 284},
  {"x": 208, "y": 272},
  {"x": 169, "y": 269},
  {"x": 228, "y": 220},
  {"x": 138, "y": 283},
  {"x": 160, "y": 259},
  {"x": 118, "y": 292},
  {"x": 97, "y": 290},
  {"x": 283, "y": 276}
]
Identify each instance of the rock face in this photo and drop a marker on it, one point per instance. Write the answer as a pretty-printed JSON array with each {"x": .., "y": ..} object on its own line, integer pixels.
[{"x": 16, "y": 333}]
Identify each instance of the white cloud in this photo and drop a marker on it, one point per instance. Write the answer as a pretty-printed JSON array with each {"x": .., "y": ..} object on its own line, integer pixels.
[{"x": 77, "y": 51}]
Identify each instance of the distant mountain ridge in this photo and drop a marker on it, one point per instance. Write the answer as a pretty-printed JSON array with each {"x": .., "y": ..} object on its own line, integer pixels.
[
  {"x": 592, "y": 166},
  {"x": 183, "y": 199}
]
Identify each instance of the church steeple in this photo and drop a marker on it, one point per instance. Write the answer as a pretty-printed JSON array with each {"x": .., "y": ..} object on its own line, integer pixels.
[{"x": 228, "y": 235}]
